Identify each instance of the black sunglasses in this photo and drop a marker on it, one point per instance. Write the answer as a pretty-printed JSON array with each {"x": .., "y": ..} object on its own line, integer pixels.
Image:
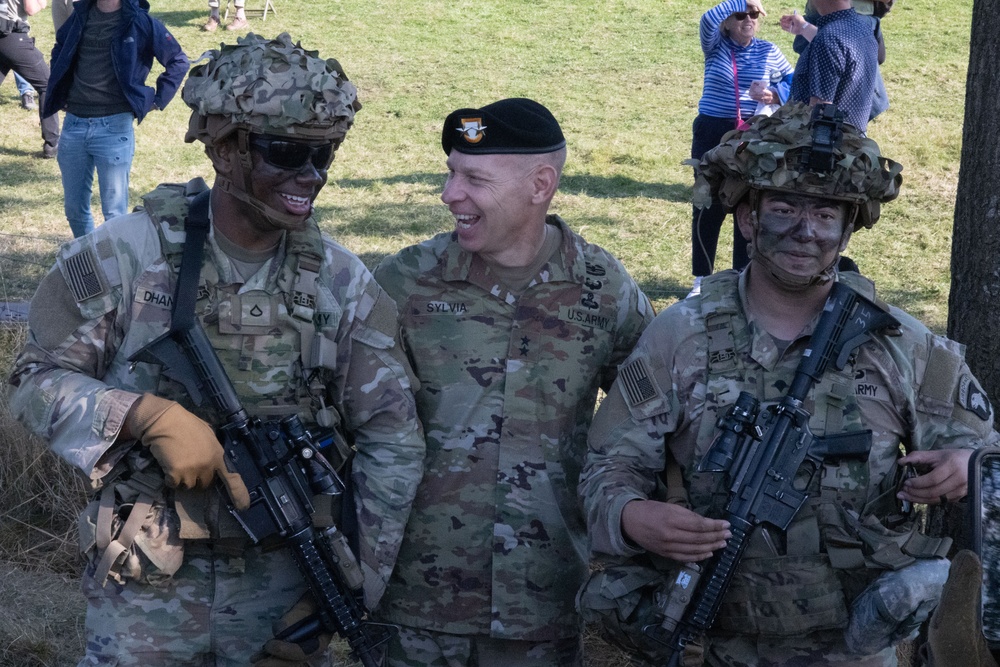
[
  {"x": 292, "y": 155},
  {"x": 742, "y": 16}
]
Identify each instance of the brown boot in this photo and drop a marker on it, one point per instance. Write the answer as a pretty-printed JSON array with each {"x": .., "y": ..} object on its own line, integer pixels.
[
  {"x": 239, "y": 23},
  {"x": 211, "y": 25}
]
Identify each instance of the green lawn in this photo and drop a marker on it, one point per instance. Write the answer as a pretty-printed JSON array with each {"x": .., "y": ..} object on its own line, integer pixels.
[{"x": 622, "y": 76}]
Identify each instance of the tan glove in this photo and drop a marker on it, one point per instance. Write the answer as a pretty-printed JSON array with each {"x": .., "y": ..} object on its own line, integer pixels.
[
  {"x": 955, "y": 637},
  {"x": 184, "y": 446},
  {"x": 278, "y": 653}
]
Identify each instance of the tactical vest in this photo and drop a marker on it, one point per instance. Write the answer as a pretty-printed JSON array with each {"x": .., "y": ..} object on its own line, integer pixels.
[
  {"x": 267, "y": 339},
  {"x": 273, "y": 351},
  {"x": 803, "y": 579}
]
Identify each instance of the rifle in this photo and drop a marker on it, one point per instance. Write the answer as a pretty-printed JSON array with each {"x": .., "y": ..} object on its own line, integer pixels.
[
  {"x": 282, "y": 467},
  {"x": 761, "y": 454}
]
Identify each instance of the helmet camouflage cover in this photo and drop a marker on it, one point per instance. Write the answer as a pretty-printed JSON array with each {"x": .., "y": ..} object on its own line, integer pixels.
[
  {"x": 773, "y": 154},
  {"x": 268, "y": 87}
]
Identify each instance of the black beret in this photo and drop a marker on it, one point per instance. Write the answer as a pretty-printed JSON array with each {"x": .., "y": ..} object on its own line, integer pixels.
[{"x": 516, "y": 125}]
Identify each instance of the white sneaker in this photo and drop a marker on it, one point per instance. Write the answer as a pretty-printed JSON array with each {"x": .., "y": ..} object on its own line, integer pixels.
[{"x": 696, "y": 288}]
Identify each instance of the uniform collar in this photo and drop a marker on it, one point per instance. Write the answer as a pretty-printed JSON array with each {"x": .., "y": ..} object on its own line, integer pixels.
[{"x": 763, "y": 348}]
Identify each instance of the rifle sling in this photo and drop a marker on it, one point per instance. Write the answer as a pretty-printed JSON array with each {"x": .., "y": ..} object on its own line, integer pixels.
[
  {"x": 196, "y": 226},
  {"x": 196, "y": 231}
]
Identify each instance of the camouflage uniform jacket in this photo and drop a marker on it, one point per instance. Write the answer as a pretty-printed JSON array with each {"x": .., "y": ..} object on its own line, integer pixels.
[
  {"x": 913, "y": 389},
  {"x": 496, "y": 541},
  {"x": 111, "y": 293}
]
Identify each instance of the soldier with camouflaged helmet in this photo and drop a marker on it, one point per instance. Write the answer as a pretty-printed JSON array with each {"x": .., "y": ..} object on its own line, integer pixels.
[
  {"x": 851, "y": 576},
  {"x": 512, "y": 322},
  {"x": 300, "y": 327}
]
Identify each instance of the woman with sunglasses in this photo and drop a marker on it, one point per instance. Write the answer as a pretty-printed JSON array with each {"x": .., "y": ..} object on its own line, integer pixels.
[{"x": 734, "y": 59}]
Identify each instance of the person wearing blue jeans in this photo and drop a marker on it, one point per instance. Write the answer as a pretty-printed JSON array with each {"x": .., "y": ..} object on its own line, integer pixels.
[
  {"x": 102, "y": 56},
  {"x": 27, "y": 93},
  {"x": 104, "y": 143}
]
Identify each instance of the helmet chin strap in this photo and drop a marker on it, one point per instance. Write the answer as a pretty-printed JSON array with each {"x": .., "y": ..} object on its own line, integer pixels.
[
  {"x": 279, "y": 219},
  {"x": 793, "y": 282}
]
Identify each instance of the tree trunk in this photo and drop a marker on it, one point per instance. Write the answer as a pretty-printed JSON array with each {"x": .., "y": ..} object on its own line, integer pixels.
[{"x": 974, "y": 300}]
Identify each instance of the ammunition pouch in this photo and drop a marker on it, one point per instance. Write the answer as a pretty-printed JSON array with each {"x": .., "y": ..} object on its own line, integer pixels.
[
  {"x": 130, "y": 532},
  {"x": 783, "y": 596}
]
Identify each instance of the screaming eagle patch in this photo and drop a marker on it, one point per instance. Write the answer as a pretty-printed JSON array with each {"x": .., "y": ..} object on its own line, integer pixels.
[{"x": 973, "y": 399}]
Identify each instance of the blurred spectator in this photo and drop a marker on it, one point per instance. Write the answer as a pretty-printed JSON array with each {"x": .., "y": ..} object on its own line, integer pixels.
[
  {"x": 102, "y": 56},
  {"x": 840, "y": 62},
  {"x": 18, "y": 53},
  {"x": 61, "y": 9},
  {"x": 238, "y": 23},
  {"x": 29, "y": 98},
  {"x": 804, "y": 29},
  {"x": 735, "y": 61}
]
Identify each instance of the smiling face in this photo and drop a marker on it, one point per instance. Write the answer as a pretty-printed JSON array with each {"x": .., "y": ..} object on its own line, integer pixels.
[
  {"x": 291, "y": 191},
  {"x": 799, "y": 234},
  {"x": 741, "y": 31},
  {"x": 257, "y": 206},
  {"x": 499, "y": 203}
]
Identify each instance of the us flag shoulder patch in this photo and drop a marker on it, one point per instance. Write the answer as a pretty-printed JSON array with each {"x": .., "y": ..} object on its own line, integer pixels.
[
  {"x": 636, "y": 382},
  {"x": 81, "y": 275}
]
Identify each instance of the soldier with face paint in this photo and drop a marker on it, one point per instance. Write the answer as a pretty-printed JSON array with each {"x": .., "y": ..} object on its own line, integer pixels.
[
  {"x": 300, "y": 327},
  {"x": 851, "y": 576},
  {"x": 512, "y": 322}
]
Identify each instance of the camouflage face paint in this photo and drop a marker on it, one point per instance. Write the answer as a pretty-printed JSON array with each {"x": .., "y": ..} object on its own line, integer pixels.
[{"x": 800, "y": 234}]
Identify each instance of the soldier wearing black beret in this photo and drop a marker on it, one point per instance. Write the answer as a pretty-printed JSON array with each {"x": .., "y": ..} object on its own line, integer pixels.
[
  {"x": 512, "y": 322},
  {"x": 509, "y": 126}
]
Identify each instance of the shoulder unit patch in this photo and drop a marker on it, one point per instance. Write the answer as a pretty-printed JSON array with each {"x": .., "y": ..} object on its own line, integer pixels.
[{"x": 973, "y": 399}]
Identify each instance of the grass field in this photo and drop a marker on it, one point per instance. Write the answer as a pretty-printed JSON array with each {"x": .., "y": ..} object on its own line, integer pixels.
[{"x": 622, "y": 76}]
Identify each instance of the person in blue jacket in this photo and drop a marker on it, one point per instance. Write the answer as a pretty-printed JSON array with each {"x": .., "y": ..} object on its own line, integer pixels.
[{"x": 100, "y": 62}]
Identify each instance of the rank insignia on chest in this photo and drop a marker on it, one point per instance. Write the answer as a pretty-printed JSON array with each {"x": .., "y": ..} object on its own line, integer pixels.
[{"x": 252, "y": 313}]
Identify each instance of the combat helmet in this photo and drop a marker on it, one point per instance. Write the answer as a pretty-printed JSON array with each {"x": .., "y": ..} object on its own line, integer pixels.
[
  {"x": 801, "y": 149},
  {"x": 266, "y": 86}
]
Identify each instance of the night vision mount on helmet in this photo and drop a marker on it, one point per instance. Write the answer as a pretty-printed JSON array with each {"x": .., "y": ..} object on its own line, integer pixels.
[{"x": 801, "y": 149}]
